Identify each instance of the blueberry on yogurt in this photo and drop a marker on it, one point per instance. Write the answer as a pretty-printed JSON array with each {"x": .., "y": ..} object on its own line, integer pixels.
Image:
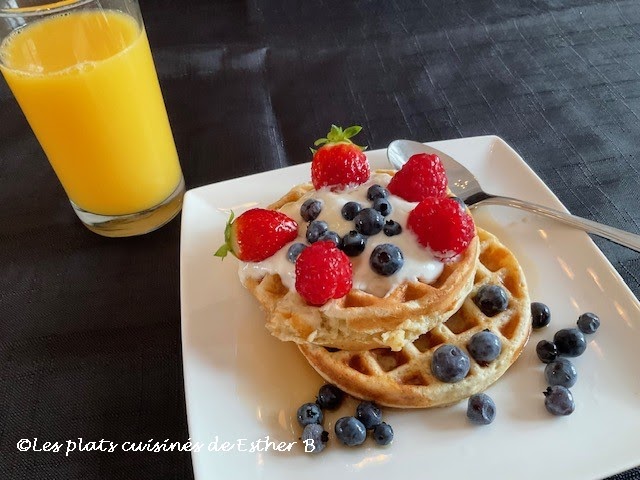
[
  {"x": 376, "y": 191},
  {"x": 386, "y": 259},
  {"x": 392, "y": 228},
  {"x": 350, "y": 210},
  {"x": 369, "y": 221},
  {"x": 310, "y": 209},
  {"x": 353, "y": 243},
  {"x": 315, "y": 230},
  {"x": 294, "y": 251}
]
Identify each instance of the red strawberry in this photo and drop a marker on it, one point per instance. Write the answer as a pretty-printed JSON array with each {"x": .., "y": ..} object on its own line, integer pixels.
[
  {"x": 257, "y": 234},
  {"x": 323, "y": 272},
  {"x": 442, "y": 225},
  {"x": 422, "y": 176},
  {"x": 339, "y": 162}
]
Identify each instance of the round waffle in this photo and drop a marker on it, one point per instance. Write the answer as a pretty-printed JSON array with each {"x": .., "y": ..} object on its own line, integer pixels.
[
  {"x": 404, "y": 379},
  {"x": 360, "y": 320}
]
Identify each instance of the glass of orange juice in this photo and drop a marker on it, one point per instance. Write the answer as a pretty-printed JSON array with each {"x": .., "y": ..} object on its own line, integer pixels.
[{"x": 83, "y": 75}]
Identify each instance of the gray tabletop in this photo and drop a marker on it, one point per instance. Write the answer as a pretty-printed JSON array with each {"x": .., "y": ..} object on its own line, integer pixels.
[{"x": 90, "y": 327}]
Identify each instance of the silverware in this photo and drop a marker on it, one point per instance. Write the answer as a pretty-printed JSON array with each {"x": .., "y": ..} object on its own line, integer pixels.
[{"x": 465, "y": 186}]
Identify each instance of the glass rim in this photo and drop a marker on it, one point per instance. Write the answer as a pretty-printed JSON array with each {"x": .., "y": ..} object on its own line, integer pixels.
[{"x": 55, "y": 6}]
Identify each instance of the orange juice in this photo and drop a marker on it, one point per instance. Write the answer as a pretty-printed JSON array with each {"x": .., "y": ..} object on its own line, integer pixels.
[{"x": 87, "y": 84}]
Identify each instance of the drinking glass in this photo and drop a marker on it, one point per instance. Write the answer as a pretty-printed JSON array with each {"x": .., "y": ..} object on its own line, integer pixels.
[{"x": 83, "y": 75}]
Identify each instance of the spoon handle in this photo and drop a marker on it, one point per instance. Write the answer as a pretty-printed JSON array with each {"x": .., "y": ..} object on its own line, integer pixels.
[{"x": 627, "y": 239}]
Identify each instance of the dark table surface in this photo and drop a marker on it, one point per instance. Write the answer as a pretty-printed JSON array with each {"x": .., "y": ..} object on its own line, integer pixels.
[{"x": 90, "y": 326}]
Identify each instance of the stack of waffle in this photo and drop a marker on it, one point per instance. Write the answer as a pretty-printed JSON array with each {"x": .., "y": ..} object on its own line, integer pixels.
[{"x": 380, "y": 349}]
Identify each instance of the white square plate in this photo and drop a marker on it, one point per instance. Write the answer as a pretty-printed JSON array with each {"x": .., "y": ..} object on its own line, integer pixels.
[{"x": 242, "y": 385}]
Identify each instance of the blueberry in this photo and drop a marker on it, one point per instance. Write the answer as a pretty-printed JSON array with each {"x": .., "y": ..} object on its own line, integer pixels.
[
  {"x": 331, "y": 236},
  {"x": 330, "y": 397},
  {"x": 383, "y": 434},
  {"x": 376, "y": 191},
  {"x": 353, "y": 243},
  {"x": 561, "y": 372},
  {"x": 315, "y": 230},
  {"x": 540, "y": 315},
  {"x": 294, "y": 251},
  {"x": 484, "y": 346},
  {"x": 481, "y": 409},
  {"x": 588, "y": 322},
  {"x": 383, "y": 206},
  {"x": 350, "y": 431},
  {"x": 570, "y": 342},
  {"x": 491, "y": 300},
  {"x": 314, "y": 438},
  {"x": 391, "y": 228},
  {"x": 386, "y": 259},
  {"x": 369, "y": 221},
  {"x": 558, "y": 400},
  {"x": 350, "y": 210},
  {"x": 450, "y": 364},
  {"x": 547, "y": 351},
  {"x": 310, "y": 209},
  {"x": 309, "y": 413},
  {"x": 369, "y": 414}
]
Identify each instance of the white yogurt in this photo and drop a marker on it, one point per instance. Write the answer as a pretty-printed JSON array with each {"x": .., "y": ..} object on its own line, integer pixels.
[{"x": 419, "y": 263}]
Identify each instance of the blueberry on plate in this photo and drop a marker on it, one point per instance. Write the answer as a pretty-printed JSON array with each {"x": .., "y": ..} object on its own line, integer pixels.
[
  {"x": 559, "y": 400},
  {"x": 481, "y": 409},
  {"x": 330, "y": 397},
  {"x": 491, "y": 300},
  {"x": 570, "y": 342},
  {"x": 353, "y": 243},
  {"x": 547, "y": 351},
  {"x": 310, "y": 209},
  {"x": 309, "y": 413},
  {"x": 369, "y": 414},
  {"x": 540, "y": 315},
  {"x": 350, "y": 431},
  {"x": 561, "y": 372},
  {"x": 588, "y": 323},
  {"x": 369, "y": 221},
  {"x": 386, "y": 259},
  {"x": 383, "y": 434},
  {"x": 314, "y": 438},
  {"x": 484, "y": 346},
  {"x": 450, "y": 364}
]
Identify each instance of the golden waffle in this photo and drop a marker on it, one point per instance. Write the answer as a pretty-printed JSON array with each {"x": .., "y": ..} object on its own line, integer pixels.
[
  {"x": 360, "y": 320},
  {"x": 404, "y": 379}
]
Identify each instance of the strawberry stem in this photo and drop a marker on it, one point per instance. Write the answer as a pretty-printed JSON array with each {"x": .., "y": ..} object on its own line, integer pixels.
[
  {"x": 225, "y": 248},
  {"x": 338, "y": 135}
]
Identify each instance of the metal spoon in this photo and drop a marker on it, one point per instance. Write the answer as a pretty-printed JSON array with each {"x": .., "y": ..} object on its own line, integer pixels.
[{"x": 465, "y": 186}]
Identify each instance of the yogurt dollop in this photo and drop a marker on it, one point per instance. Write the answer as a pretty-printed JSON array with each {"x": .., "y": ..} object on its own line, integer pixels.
[{"x": 419, "y": 263}]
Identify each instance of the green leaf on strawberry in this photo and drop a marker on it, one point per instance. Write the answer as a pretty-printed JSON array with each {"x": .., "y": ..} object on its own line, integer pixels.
[{"x": 338, "y": 135}]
